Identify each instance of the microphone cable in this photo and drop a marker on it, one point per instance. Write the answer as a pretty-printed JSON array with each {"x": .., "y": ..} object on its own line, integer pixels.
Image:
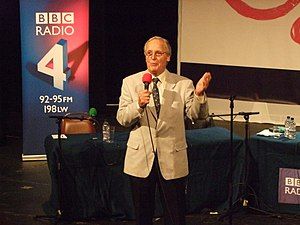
[
  {"x": 158, "y": 173},
  {"x": 147, "y": 79},
  {"x": 151, "y": 138}
]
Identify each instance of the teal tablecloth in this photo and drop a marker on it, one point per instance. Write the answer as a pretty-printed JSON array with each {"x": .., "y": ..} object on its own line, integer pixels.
[
  {"x": 94, "y": 185},
  {"x": 270, "y": 154}
]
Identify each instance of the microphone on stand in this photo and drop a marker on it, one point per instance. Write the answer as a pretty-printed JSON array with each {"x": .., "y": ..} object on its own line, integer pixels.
[
  {"x": 147, "y": 79},
  {"x": 93, "y": 113}
]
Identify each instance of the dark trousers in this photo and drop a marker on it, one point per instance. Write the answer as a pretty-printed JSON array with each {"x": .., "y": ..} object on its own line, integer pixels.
[{"x": 172, "y": 195}]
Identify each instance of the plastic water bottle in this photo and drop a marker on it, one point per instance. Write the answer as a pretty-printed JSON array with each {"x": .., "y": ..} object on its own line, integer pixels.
[
  {"x": 292, "y": 129},
  {"x": 287, "y": 126},
  {"x": 105, "y": 131}
]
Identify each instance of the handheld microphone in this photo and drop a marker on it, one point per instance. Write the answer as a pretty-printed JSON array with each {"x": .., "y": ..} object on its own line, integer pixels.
[{"x": 147, "y": 79}]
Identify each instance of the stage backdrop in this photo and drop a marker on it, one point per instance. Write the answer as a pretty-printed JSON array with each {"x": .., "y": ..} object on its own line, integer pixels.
[
  {"x": 252, "y": 47},
  {"x": 54, "y": 39}
]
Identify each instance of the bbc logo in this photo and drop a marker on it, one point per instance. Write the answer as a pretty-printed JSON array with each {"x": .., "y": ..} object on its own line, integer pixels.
[
  {"x": 54, "y": 18},
  {"x": 290, "y": 181}
]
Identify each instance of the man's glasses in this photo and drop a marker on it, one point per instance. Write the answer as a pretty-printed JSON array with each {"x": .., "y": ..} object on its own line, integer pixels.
[{"x": 156, "y": 54}]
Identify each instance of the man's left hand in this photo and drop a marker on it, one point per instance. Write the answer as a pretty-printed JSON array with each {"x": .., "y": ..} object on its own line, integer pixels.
[{"x": 203, "y": 84}]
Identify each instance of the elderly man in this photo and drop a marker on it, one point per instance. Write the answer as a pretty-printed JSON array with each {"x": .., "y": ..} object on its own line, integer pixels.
[{"x": 156, "y": 150}]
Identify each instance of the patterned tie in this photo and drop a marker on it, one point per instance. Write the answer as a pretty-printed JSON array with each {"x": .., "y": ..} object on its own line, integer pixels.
[{"x": 156, "y": 95}]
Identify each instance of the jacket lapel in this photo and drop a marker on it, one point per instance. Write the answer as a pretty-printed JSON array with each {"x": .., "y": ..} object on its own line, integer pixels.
[{"x": 167, "y": 95}]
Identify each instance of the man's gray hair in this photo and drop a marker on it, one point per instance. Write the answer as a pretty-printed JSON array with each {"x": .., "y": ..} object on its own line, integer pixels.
[{"x": 166, "y": 42}]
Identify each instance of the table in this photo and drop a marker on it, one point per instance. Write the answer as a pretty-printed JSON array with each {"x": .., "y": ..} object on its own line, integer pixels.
[
  {"x": 270, "y": 154},
  {"x": 94, "y": 184}
]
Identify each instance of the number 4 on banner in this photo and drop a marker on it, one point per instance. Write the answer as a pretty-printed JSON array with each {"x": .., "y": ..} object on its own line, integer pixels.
[{"x": 60, "y": 71}]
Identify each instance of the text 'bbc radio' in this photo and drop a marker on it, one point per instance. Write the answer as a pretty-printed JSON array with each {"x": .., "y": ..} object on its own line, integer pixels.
[{"x": 54, "y": 23}]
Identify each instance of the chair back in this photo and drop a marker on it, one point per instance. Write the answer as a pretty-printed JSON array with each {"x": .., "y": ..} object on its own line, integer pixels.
[{"x": 73, "y": 124}]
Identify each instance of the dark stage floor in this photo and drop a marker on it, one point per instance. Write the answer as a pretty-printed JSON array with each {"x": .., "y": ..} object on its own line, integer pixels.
[{"x": 25, "y": 186}]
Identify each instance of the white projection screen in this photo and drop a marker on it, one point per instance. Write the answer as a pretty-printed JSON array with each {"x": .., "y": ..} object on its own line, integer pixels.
[{"x": 252, "y": 49}]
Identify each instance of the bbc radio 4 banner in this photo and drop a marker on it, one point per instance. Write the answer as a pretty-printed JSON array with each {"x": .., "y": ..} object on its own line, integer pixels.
[{"x": 54, "y": 44}]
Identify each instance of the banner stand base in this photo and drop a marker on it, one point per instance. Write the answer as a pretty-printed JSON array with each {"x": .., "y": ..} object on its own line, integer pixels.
[{"x": 33, "y": 157}]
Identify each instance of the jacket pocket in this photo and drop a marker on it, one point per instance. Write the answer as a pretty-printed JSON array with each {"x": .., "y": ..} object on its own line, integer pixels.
[
  {"x": 133, "y": 144},
  {"x": 180, "y": 146}
]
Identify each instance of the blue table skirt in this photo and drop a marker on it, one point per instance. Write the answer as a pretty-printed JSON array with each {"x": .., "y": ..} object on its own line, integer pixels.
[{"x": 94, "y": 185}]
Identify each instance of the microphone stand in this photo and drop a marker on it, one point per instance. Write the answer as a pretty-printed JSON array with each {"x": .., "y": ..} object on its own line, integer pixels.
[
  {"x": 60, "y": 165},
  {"x": 59, "y": 169},
  {"x": 59, "y": 162},
  {"x": 230, "y": 192},
  {"x": 231, "y": 154}
]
